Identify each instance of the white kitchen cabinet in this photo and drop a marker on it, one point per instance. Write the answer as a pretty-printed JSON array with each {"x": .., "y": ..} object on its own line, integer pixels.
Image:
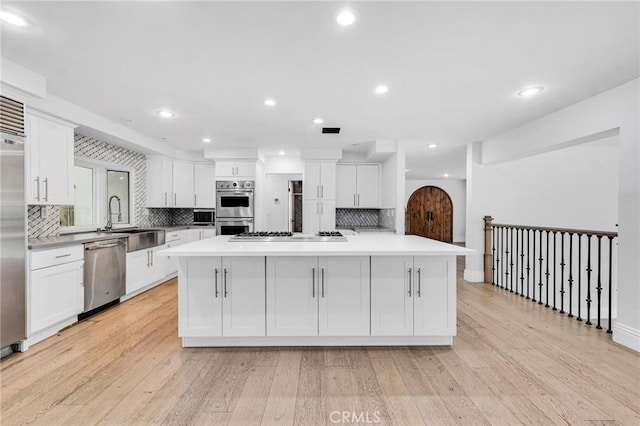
[
  {"x": 359, "y": 186},
  {"x": 318, "y": 215},
  {"x": 145, "y": 267},
  {"x": 292, "y": 296},
  {"x": 56, "y": 288},
  {"x": 235, "y": 169},
  {"x": 49, "y": 150},
  {"x": 412, "y": 296},
  {"x": 344, "y": 296},
  {"x": 243, "y": 296},
  {"x": 202, "y": 234},
  {"x": 222, "y": 297},
  {"x": 174, "y": 239},
  {"x": 205, "y": 185},
  {"x": 311, "y": 296},
  {"x": 183, "y": 185},
  {"x": 319, "y": 180},
  {"x": 170, "y": 183}
]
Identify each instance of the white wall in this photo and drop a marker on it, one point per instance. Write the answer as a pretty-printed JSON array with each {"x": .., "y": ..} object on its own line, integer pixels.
[
  {"x": 277, "y": 200},
  {"x": 283, "y": 164},
  {"x": 457, "y": 190},
  {"x": 390, "y": 178},
  {"x": 577, "y": 185}
]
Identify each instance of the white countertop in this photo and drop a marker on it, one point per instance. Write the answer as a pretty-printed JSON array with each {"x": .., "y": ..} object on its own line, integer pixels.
[{"x": 377, "y": 244}]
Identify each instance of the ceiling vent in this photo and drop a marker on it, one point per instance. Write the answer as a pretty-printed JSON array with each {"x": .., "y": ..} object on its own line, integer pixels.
[
  {"x": 334, "y": 130},
  {"x": 11, "y": 116}
]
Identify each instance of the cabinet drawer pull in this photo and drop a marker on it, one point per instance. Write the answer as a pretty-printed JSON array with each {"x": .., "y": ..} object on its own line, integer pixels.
[
  {"x": 63, "y": 255},
  {"x": 313, "y": 282},
  {"x": 225, "y": 282},
  {"x": 410, "y": 274},
  {"x": 216, "y": 281}
]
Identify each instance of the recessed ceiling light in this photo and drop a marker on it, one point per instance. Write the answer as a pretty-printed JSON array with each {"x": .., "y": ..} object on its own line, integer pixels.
[
  {"x": 281, "y": 153},
  {"x": 206, "y": 140},
  {"x": 318, "y": 121},
  {"x": 432, "y": 145},
  {"x": 269, "y": 102},
  {"x": 165, "y": 113},
  {"x": 446, "y": 175},
  {"x": 13, "y": 19},
  {"x": 381, "y": 89},
  {"x": 346, "y": 17},
  {"x": 530, "y": 91}
]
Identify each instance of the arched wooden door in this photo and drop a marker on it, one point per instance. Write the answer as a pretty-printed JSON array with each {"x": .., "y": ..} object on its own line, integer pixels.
[{"x": 430, "y": 214}]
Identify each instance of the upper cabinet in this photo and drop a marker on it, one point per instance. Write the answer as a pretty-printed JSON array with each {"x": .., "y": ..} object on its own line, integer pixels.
[
  {"x": 358, "y": 186},
  {"x": 183, "y": 188},
  {"x": 319, "y": 180},
  {"x": 205, "y": 185},
  {"x": 232, "y": 169},
  {"x": 49, "y": 148}
]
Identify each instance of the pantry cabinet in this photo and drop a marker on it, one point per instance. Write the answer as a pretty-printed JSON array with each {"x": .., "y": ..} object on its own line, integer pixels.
[
  {"x": 318, "y": 296},
  {"x": 359, "y": 186},
  {"x": 319, "y": 192},
  {"x": 49, "y": 147}
]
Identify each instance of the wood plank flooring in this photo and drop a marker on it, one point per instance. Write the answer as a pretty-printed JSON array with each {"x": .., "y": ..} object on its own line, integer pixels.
[{"x": 512, "y": 363}]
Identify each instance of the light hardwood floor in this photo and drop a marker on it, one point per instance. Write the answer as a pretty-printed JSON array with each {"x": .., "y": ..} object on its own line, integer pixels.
[{"x": 512, "y": 363}]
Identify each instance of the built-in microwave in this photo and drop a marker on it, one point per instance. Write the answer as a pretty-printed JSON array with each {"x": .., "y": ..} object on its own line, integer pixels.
[{"x": 204, "y": 217}]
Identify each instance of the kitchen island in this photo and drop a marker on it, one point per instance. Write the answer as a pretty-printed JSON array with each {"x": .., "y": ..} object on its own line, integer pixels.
[{"x": 369, "y": 290}]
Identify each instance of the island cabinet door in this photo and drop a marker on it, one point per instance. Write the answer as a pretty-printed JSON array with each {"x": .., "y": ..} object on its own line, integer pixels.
[
  {"x": 435, "y": 303},
  {"x": 344, "y": 296},
  {"x": 292, "y": 296},
  {"x": 199, "y": 297},
  {"x": 243, "y": 296},
  {"x": 392, "y": 296}
]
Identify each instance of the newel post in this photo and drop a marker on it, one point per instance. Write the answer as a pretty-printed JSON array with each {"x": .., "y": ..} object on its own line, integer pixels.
[{"x": 488, "y": 257}]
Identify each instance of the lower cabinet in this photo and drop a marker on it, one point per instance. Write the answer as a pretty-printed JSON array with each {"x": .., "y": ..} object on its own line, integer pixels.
[
  {"x": 144, "y": 267},
  {"x": 413, "y": 296},
  {"x": 201, "y": 234},
  {"x": 223, "y": 296},
  {"x": 56, "y": 293},
  {"x": 318, "y": 296}
]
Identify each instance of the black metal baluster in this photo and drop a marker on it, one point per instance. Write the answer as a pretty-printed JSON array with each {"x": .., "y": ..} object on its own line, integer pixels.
[
  {"x": 493, "y": 253},
  {"x": 528, "y": 268},
  {"x": 588, "y": 280},
  {"x": 540, "y": 259},
  {"x": 506, "y": 260},
  {"x": 499, "y": 266},
  {"x": 579, "y": 318},
  {"x": 599, "y": 288},
  {"x": 562, "y": 272},
  {"x": 570, "y": 274},
  {"x": 511, "y": 263},
  {"x": 610, "y": 281},
  {"x": 555, "y": 261},
  {"x": 522, "y": 263},
  {"x": 546, "y": 305}
]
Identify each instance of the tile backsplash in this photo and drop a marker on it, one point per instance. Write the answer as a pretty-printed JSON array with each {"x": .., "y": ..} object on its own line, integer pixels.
[
  {"x": 387, "y": 218},
  {"x": 39, "y": 226}
]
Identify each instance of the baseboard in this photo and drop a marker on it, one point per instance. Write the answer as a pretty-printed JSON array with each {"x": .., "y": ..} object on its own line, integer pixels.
[
  {"x": 626, "y": 336},
  {"x": 474, "y": 276}
]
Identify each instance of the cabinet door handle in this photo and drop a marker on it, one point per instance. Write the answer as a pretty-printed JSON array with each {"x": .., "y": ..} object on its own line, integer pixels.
[
  {"x": 410, "y": 275},
  {"x": 195, "y": 200},
  {"x": 419, "y": 280},
  {"x": 313, "y": 282},
  {"x": 358, "y": 200},
  {"x": 225, "y": 282},
  {"x": 321, "y": 191},
  {"x": 165, "y": 198},
  {"x": 321, "y": 208},
  {"x": 317, "y": 191},
  {"x": 38, "y": 188},
  {"x": 354, "y": 199},
  {"x": 151, "y": 251},
  {"x": 46, "y": 188},
  {"x": 322, "y": 272},
  {"x": 148, "y": 259},
  {"x": 175, "y": 199},
  {"x": 216, "y": 281}
]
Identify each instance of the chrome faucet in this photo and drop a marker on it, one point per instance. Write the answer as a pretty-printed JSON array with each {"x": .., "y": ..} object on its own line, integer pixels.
[{"x": 109, "y": 225}]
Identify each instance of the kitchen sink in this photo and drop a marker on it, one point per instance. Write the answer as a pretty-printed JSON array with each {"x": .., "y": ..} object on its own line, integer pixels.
[{"x": 141, "y": 238}]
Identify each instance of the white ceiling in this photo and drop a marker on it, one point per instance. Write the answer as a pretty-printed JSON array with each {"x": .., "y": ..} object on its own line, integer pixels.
[{"x": 453, "y": 68}]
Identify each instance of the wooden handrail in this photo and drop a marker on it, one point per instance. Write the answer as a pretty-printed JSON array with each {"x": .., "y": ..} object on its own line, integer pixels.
[{"x": 565, "y": 230}]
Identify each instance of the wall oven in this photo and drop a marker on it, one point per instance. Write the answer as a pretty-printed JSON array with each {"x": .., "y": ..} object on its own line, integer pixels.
[
  {"x": 229, "y": 226},
  {"x": 204, "y": 217},
  {"x": 234, "y": 199}
]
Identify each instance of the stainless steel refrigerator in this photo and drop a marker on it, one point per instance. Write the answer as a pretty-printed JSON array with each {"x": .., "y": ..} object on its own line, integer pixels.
[{"x": 12, "y": 233}]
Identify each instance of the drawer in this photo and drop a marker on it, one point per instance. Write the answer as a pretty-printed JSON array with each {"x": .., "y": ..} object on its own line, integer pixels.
[
  {"x": 58, "y": 256},
  {"x": 173, "y": 236}
]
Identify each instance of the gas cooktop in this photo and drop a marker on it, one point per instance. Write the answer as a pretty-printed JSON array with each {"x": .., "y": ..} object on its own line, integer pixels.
[{"x": 326, "y": 236}]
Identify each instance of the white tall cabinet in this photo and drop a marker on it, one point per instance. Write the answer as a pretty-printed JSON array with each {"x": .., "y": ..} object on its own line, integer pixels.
[
  {"x": 318, "y": 296},
  {"x": 49, "y": 150},
  {"x": 319, "y": 197},
  {"x": 412, "y": 296},
  {"x": 359, "y": 186},
  {"x": 204, "y": 186}
]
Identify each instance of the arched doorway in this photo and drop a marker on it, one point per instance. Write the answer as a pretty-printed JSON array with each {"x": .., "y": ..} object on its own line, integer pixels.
[{"x": 430, "y": 214}]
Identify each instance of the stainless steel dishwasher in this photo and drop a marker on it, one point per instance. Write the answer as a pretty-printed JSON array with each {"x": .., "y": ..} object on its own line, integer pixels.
[{"x": 104, "y": 273}]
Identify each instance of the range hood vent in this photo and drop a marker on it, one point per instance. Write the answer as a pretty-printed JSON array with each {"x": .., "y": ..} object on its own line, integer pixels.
[
  {"x": 334, "y": 130},
  {"x": 11, "y": 117}
]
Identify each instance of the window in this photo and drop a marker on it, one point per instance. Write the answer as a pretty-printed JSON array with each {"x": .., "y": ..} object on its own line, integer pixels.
[{"x": 99, "y": 189}]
